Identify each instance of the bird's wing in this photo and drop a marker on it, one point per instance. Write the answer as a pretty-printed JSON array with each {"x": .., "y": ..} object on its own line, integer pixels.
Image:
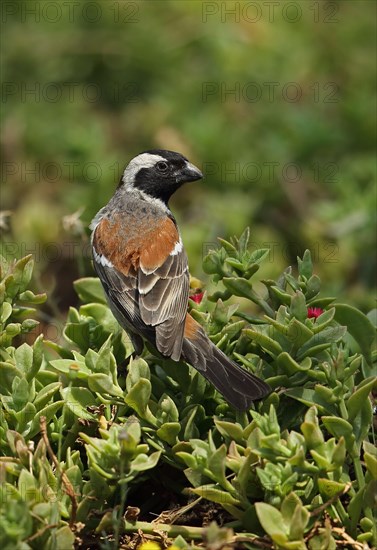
[{"x": 146, "y": 280}]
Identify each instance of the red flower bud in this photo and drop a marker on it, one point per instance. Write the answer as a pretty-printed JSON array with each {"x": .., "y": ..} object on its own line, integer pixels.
[
  {"x": 314, "y": 312},
  {"x": 197, "y": 297}
]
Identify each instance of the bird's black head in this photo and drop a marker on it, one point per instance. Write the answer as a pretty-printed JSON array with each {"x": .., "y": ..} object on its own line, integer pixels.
[{"x": 159, "y": 173}]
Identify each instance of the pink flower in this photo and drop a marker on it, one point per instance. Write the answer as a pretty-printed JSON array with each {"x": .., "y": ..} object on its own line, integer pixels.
[
  {"x": 314, "y": 312},
  {"x": 197, "y": 297}
]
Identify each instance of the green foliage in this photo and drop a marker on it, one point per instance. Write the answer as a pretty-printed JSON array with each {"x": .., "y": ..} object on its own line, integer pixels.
[
  {"x": 220, "y": 88},
  {"x": 298, "y": 470}
]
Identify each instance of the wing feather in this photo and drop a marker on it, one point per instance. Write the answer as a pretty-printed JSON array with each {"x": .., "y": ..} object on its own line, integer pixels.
[
  {"x": 164, "y": 306},
  {"x": 151, "y": 301}
]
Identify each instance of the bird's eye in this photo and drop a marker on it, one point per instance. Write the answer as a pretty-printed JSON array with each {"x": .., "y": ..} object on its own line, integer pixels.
[{"x": 162, "y": 166}]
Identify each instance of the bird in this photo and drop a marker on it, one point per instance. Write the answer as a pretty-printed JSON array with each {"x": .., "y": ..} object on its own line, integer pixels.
[{"x": 139, "y": 257}]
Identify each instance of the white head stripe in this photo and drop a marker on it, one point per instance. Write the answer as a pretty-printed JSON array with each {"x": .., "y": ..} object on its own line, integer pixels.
[{"x": 145, "y": 160}]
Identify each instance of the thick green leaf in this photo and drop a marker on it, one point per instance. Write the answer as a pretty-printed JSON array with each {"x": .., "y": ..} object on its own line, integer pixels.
[
  {"x": 215, "y": 495},
  {"x": 305, "y": 265},
  {"x": 25, "y": 418},
  {"x": 290, "y": 366},
  {"x": 29, "y": 297},
  {"x": 243, "y": 241},
  {"x": 188, "y": 459},
  {"x": 258, "y": 256},
  {"x": 22, "y": 272},
  {"x": 355, "y": 506},
  {"x": 104, "y": 357},
  {"x": 288, "y": 506},
  {"x": 230, "y": 429},
  {"x": 272, "y": 521},
  {"x": 338, "y": 427},
  {"x": 293, "y": 283},
  {"x": 64, "y": 539},
  {"x": 280, "y": 295},
  {"x": 46, "y": 393},
  {"x": 168, "y": 411},
  {"x": 238, "y": 266},
  {"x": 144, "y": 462},
  {"x": 339, "y": 453},
  {"x": 139, "y": 395},
  {"x": 8, "y": 372},
  {"x": 238, "y": 286},
  {"x": 263, "y": 340},
  {"x": 89, "y": 289},
  {"x": 359, "y": 326},
  {"x": 362, "y": 422},
  {"x": 5, "y": 312},
  {"x": 322, "y": 340},
  {"x": 323, "y": 541},
  {"x": 48, "y": 412},
  {"x": 370, "y": 495},
  {"x": 229, "y": 247},
  {"x": 24, "y": 358},
  {"x": 299, "y": 521},
  {"x": 311, "y": 397},
  {"x": 245, "y": 472},
  {"x": 313, "y": 286},
  {"x": 330, "y": 488},
  {"x": 21, "y": 393},
  {"x": 78, "y": 400},
  {"x": 78, "y": 333},
  {"x": 102, "y": 383},
  {"x": 71, "y": 367},
  {"x": 213, "y": 264},
  {"x": 37, "y": 358},
  {"x": 216, "y": 465},
  {"x": 371, "y": 464},
  {"x": 297, "y": 333},
  {"x": 137, "y": 369},
  {"x": 298, "y": 308},
  {"x": 321, "y": 459},
  {"x": 169, "y": 431},
  {"x": 27, "y": 483},
  {"x": 188, "y": 424},
  {"x": 102, "y": 315},
  {"x": 310, "y": 428},
  {"x": 323, "y": 320},
  {"x": 356, "y": 400},
  {"x": 372, "y": 316}
]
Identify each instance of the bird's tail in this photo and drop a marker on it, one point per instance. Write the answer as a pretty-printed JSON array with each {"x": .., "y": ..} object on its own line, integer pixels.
[{"x": 239, "y": 386}]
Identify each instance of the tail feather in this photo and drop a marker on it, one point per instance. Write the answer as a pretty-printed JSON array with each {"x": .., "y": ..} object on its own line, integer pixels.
[{"x": 239, "y": 386}]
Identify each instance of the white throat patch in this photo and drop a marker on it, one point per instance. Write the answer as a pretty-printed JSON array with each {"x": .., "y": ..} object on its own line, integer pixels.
[{"x": 145, "y": 160}]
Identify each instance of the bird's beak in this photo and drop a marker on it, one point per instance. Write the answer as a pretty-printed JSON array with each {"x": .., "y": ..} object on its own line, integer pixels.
[{"x": 189, "y": 173}]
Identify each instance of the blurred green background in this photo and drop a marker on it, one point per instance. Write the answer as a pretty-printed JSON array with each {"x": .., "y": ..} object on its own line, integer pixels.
[{"x": 274, "y": 102}]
